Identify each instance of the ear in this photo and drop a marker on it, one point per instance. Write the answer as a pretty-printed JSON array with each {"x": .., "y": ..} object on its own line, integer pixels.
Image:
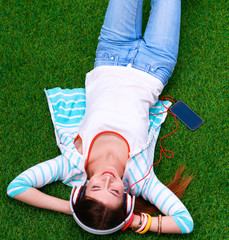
[{"x": 78, "y": 193}]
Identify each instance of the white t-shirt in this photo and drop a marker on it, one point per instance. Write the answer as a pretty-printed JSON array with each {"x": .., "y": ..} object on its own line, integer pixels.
[{"x": 118, "y": 100}]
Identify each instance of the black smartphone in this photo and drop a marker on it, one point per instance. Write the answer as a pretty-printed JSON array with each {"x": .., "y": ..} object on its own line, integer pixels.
[{"x": 186, "y": 115}]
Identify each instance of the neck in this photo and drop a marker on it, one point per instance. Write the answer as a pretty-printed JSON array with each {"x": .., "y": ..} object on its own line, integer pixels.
[
  {"x": 108, "y": 150},
  {"x": 104, "y": 161}
]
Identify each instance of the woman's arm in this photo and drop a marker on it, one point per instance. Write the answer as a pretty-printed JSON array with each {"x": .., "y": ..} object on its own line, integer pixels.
[
  {"x": 24, "y": 187},
  {"x": 36, "y": 198},
  {"x": 38, "y": 176},
  {"x": 177, "y": 218},
  {"x": 168, "y": 225}
]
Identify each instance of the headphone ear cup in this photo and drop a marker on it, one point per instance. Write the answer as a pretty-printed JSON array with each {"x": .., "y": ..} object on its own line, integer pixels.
[
  {"x": 81, "y": 192},
  {"x": 124, "y": 200},
  {"x": 127, "y": 201},
  {"x": 78, "y": 194}
]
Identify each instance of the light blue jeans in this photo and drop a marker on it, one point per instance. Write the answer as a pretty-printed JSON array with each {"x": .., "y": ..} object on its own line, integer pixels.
[{"x": 121, "y": 41}]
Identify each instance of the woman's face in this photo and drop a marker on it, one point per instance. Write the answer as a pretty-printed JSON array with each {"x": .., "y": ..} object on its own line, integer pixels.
[{"x": 106, "y": 187}]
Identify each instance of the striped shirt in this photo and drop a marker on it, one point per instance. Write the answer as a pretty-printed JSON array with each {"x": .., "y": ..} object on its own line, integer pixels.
[{"x": 67, "y": 109}]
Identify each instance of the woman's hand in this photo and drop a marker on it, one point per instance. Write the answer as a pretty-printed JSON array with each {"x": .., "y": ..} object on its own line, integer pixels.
[{"x": 36, "y": 198}]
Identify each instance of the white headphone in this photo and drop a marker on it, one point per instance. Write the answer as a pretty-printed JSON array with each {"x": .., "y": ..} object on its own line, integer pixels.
[{"x": 77, "y": 194}]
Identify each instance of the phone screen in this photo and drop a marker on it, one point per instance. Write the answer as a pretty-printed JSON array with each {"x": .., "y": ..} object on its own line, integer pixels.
[{"x": 186, "y": 115}]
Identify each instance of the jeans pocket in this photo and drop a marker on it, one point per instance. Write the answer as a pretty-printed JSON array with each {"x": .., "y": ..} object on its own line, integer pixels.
[
  {"x": 103, "y": 56},
  {"x": 161, "y": 65},
  {"x": 162, "y": 71}
]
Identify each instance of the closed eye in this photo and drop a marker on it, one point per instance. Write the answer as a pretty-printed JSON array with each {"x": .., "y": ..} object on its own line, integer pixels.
[
  {"x": 95, "y": 188},
  {"x": 116, "y": 192}
]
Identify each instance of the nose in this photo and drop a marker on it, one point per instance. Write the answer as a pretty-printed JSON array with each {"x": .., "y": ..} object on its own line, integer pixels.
[{"x": 107, "y": 183}]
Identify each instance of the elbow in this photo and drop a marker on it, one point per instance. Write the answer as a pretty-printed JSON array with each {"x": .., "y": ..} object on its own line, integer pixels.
[
  {"x": 16, "y": 188},
  {"x": 185, "y": 223},
  {"x": 189, "y": 226},
  {"x": 9, "y": 190}
]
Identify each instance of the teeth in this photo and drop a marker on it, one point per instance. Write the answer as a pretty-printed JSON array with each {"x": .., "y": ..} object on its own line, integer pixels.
[{"x": 108, "y": 174}]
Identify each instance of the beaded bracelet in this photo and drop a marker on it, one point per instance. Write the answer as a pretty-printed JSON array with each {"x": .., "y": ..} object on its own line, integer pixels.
[
  {"x": 145, "y": 220},
  {"x": 148, "y": 224}
]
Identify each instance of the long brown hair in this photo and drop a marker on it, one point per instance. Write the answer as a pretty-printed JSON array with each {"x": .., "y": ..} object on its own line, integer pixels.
[
  {"x": 98, "y": 216},
  {"x": 177, "y": 186}
]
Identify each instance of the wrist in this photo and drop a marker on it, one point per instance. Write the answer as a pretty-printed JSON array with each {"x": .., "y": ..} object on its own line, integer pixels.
[
  {"x": 154, "y": 224},
  {"x": 142, "y": 223},
  {"x": 67, "y": 208},
  {"x": 135, "y": 221}
]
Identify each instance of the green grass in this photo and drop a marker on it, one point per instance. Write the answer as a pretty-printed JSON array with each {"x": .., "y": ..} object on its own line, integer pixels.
[{"x": 45, "y": 44}]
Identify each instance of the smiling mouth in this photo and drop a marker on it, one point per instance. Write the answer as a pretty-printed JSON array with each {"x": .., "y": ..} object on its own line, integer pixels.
[{"x": 110, "y": 173}]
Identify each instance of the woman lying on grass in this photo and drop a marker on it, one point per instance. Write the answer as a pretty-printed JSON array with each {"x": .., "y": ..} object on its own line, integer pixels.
[{"x": 107, "y": 135}]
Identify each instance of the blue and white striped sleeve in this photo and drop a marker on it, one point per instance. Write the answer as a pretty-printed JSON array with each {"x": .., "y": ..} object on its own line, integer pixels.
[
  {"x": 39, "y": 175},
  {"x": 168, "y": 203}
]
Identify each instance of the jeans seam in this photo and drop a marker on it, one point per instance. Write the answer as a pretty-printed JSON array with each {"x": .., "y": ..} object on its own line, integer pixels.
[{"x": 136, "y": 21}]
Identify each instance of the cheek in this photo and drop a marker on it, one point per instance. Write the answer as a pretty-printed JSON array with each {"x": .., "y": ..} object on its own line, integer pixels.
[
  {"x": 120, "y": 186},
  {"x": 94, "y": 180}
]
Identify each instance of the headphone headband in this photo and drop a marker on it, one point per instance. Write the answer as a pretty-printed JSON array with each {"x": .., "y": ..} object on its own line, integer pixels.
[{"x": 77, "y": 194}]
